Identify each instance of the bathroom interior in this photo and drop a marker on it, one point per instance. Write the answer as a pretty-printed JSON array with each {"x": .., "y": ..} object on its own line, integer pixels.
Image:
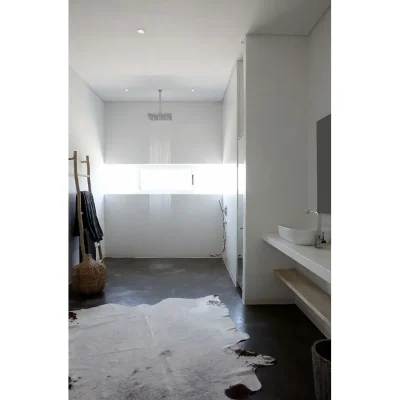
[{"x": 209, "y": 137}]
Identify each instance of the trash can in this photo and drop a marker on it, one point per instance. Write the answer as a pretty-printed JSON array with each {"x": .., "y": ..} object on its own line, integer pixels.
[{"x": 321, "y": 358}]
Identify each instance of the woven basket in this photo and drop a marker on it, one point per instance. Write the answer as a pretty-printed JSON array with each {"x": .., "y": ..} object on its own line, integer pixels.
[
  {"x": 89, "y": 277},
  {"x": 321, "y": 357}
]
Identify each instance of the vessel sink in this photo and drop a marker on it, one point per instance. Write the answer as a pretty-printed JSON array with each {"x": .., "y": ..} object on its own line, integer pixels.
[{"x": 302, "y": 237}]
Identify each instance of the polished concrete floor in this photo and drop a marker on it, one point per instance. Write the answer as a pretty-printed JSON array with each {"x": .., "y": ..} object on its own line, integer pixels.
[{"x": 281, "y": 331}]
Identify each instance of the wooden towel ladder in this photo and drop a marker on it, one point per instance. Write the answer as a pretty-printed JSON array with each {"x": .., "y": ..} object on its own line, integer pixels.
[{"x": 78, "y": 192}]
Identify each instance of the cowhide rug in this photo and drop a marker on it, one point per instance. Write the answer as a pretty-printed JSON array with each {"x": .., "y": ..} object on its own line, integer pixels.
[{"x": 178, "y": 349}]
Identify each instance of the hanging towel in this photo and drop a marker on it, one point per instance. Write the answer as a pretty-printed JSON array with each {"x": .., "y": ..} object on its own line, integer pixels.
[{"x": 89, "y": 217}]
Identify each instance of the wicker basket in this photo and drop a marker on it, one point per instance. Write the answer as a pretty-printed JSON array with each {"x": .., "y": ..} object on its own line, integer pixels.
[
  {"x": 321, "y": 356},
  {"x": 89, "y": 277}
]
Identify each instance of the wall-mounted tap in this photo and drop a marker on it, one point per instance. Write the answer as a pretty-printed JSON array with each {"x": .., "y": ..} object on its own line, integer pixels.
[{"x": 319, "y": 235}]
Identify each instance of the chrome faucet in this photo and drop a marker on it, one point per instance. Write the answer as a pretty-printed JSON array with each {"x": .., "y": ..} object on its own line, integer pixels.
[{"x": 319, "y": 235}]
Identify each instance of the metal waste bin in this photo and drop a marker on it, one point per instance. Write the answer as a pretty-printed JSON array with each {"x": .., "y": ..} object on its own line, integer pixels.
[{"x": 321, "y": 358}]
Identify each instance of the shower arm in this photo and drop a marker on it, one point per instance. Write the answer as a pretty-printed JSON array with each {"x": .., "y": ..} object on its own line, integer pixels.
[{"x": 159, "y": 98}]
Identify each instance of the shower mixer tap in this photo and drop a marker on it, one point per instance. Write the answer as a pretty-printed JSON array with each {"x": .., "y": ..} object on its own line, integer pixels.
[{"x": 319, "y": 235}]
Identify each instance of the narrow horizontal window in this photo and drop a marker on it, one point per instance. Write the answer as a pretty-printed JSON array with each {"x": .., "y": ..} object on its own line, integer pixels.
[
  {"x": 162, "y": 178},
  {"x": 169, "y": 178}
]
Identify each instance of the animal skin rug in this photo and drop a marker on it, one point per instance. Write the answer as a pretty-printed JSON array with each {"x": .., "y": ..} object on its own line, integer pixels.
[{"x": 178, "y": 349}]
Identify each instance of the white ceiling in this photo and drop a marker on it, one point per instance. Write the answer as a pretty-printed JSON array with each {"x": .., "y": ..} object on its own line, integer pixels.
[{"x": 188, "y": 43}]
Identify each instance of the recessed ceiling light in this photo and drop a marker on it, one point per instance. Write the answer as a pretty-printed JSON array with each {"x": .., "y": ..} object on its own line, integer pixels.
[
  {"x": 126, "y": 90},
  {"x": 192, "y": 90},
  {"x": 140, "y": 31}
]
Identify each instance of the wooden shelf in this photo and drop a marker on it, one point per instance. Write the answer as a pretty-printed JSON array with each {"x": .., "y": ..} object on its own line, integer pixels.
[{"x": 318, "y": 301}]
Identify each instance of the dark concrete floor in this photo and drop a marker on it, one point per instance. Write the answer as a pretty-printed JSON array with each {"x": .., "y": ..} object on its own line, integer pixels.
[{"x": 281, "y": 331}]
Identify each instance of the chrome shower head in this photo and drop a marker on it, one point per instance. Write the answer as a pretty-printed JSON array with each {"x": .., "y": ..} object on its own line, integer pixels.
[{"x": 160, "y": 116}]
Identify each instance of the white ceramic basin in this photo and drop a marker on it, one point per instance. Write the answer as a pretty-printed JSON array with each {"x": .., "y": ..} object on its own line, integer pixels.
[{"x": 302, "y": 237}]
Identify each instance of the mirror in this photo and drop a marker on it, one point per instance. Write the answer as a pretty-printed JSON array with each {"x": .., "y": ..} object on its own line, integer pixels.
[
  {"x": 240, "y": 206},
  {"x": 324, "y": 165}
]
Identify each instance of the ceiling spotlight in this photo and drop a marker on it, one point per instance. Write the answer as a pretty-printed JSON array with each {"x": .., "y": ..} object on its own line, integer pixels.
[
  {"x": 126, "y": 90},
  {"x": 192, "y": 90},
  {"x": 140, "y": 31}
]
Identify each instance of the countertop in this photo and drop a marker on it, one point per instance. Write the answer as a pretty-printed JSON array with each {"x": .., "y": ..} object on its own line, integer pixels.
[{"x": 316, "y": 260}]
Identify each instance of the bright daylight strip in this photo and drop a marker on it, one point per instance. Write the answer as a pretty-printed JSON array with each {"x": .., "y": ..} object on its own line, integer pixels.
[{"x": 169, "y": 178}]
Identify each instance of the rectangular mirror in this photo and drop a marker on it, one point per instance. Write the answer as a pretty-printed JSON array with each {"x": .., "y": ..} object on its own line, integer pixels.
[{"x": 324, "y": 164}]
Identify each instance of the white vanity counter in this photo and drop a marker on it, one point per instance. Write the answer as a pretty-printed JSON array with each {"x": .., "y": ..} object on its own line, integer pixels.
[{"x": 316, "y": 260}]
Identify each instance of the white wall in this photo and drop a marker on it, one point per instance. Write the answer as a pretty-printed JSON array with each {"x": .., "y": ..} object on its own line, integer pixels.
[
  {"x": 230, "y": 134},
  {"x": 241, "y": 157},
  {"x": 276, "y": 156},
  {"x": 176, "y": 226},
  {"x": 319, "y": 95},
  {"x": 319, "y": 106},
  {"x": 241, "y": 109},
  {"x": 86, "y": 135},
  {"x": 169, "y": 225},
  {"x": 193, "y": 136}
]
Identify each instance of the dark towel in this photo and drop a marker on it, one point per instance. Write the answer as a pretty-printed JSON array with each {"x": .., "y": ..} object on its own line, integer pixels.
[
  {"x": 89, "y": 217},
  {"x": 90, "y": 246}
]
